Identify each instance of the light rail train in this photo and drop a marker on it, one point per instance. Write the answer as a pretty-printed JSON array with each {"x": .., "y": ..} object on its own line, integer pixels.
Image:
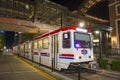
[{"x": 60, "y": 48}]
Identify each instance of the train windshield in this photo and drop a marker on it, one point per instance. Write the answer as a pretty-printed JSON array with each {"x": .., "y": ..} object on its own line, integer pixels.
[{"x": 82, "y": 40}]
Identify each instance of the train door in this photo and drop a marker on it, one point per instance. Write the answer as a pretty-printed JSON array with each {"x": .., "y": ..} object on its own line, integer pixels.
[
  {"x": 40, "y": 49},
  {"x": 54, "y": 51},
  {"x": 30, "y": 50}
]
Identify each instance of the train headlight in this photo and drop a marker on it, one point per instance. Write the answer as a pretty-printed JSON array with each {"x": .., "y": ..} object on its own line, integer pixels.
[
  {"x": 77, "y": 57},
  {"x": 92, "y": 57}
]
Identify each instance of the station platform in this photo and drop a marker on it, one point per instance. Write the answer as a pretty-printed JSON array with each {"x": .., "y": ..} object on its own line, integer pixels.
[{"x": 13, "y": 68}]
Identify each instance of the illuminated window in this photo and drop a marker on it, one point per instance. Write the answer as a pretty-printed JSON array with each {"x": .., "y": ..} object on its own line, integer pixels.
[
  {"x": 26, "y": 46},
  {"x": 45, "y": 43},
  {"x": 35, "y": 45},
  {"x": 22, "y": 47},
  {"x": 40, "y": 44},
  {"x": 117, "y": 9},
  {"x": 29, "y": 46}
]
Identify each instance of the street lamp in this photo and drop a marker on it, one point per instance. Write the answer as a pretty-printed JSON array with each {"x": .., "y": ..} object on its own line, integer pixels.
[
  {"x": 97, "y": 32},
  {"x": 2, "y": 32},
  {"x": 16, "y": 34},
  {"x": 81, "y": 24},
  {"x": 27, "y": 6},
  {"x": 4, "y": 47}
]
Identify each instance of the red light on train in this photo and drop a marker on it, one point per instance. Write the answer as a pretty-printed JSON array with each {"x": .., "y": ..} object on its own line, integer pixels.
[{"x": 89, "y": 31}]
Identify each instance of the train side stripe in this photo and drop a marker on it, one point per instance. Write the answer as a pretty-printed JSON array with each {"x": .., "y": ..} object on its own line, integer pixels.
[
  {"x": 70, "y": 55},
  {"x": 36, "y": 53},
  {"x": 66, "y": 56},
  {"x": 45, "y": 54}
]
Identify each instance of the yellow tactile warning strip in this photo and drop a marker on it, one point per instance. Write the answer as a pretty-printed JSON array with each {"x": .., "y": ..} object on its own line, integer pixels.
[{"x": 49, "y": 77}]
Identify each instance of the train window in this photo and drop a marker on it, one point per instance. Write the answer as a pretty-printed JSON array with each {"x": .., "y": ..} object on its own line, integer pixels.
[
  {"x": 45, "y": 43},
  {"x": 21, "y": 47},
  {"x": 82, "y": 40},
  {"x": 25, "y": 46},
  {"x": 29, "y": 46},
  {"x": 35, "y": 45},
  {"x": 66, "y": 40},
  {"x": 117, "y": 9},
  {"x": 40, "y": 44}
]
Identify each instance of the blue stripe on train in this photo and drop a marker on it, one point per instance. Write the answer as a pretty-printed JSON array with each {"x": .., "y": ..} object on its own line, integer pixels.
[
  {"x": 45, "y": 55},
  {"x": 66, "y": 57}
]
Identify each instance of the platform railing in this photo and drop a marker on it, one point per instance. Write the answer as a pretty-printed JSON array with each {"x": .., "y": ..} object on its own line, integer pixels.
[{"x": 108, "y": 53}]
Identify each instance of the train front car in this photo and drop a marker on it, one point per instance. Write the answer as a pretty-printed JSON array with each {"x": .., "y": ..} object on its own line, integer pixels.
[
  {"x": 76, "y": 48},
  {"x": 82, "y": 43}
]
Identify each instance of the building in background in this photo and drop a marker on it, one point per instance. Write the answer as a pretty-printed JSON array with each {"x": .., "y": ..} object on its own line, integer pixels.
[{"x": 114, "y": 13}]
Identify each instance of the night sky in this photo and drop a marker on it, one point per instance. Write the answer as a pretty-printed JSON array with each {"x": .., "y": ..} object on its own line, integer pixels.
[
  {"x": 99, "y": 10},
  {"x": 70, "y": 4},
  {"x": 9, "y": 38}
]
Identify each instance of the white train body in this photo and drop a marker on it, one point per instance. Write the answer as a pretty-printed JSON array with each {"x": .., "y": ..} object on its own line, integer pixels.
[{"x": 62, "y": 47}]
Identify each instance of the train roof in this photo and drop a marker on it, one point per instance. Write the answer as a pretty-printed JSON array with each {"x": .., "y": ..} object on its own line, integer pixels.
[{"x": 56, "y": 31}]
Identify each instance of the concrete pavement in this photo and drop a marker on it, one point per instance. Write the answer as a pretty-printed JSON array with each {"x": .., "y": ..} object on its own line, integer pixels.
[{"x": 12, "y": 68}]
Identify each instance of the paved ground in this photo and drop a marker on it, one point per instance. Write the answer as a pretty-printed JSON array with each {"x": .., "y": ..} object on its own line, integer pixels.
[{"x": 12, "y": 68}]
